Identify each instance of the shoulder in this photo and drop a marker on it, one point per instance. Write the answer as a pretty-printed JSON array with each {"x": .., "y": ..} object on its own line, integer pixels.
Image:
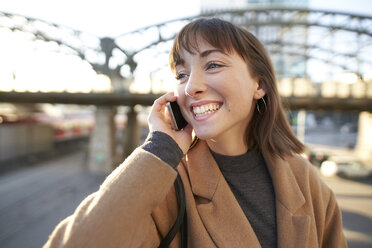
[
  {"x": 320, "y": 202},
  {"x": 303, "y": 170},
  {"x": 308, "y": 178}
]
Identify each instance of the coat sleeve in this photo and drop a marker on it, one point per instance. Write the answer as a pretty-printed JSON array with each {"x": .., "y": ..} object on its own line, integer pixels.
[
  {"x": 333, "y": 231},
  {"x": 119, "y": 213}
]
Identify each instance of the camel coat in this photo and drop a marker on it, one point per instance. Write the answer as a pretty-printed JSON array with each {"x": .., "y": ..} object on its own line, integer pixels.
[{"x": 136, "y": 206}]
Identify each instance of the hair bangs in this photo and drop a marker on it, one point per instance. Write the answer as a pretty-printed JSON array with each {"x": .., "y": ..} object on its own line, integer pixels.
[{"x": 217, "y": 34}]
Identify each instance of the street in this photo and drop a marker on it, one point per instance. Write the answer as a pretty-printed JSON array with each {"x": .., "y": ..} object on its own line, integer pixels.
[
  {"x": 355, "y": 200},
  {"x": 35, "y": 199}
]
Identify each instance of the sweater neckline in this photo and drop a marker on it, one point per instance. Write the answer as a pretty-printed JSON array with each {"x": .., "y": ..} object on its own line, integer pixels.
[{"x": 239, "y": 163}]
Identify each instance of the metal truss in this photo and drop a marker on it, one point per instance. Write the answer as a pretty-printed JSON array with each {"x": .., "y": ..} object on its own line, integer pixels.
[{"x": 339, "y": 40}]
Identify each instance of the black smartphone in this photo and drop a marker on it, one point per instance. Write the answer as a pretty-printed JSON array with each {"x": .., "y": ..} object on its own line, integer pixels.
[{"x": 178, "y": 122}]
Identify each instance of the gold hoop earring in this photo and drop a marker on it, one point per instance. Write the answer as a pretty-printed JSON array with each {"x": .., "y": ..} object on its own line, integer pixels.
[
  {"x": 258, "y": 107},
  {"x": 194, "y": 142}
]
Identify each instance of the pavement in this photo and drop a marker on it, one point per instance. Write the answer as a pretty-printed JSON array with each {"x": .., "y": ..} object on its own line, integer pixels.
[
  {"x": 355, "y": 200},
  {"x": 36, "y": 198}
]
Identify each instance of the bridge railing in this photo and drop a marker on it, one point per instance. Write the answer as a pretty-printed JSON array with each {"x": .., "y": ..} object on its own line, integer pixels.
[{"x": 301, "y": 87}]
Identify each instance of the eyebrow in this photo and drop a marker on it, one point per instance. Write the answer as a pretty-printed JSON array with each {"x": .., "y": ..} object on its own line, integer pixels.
[
  {"x": 207, "y": 52},
  {"x": 202, "y": 55}
]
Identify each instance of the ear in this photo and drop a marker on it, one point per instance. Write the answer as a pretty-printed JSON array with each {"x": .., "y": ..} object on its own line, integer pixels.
[{"x": 259, "y": 90}]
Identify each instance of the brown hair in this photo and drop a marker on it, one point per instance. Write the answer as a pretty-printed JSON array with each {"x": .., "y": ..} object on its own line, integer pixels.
[{"x": 269, "y": 128}]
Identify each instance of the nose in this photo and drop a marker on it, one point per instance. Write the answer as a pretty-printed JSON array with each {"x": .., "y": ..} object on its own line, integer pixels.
[{"x": 195, "y": 85}]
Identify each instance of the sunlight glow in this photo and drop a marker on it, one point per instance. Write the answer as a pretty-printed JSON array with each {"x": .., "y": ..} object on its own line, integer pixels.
[
  {"x": 328, "y": 168},
  {"x": 367, "y": 77},
  {"x": 346, "y": 78},
  {"x": 161, "y": 82},
  {"x": 36, "y": 66}
]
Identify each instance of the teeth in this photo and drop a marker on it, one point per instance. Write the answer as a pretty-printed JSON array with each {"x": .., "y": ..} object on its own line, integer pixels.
[{"x": 205, "y": 109}]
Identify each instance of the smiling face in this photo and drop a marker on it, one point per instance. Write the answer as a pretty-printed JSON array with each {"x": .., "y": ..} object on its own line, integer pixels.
[
  {"x": 217, "y": 96},
  {"x": 223, "y": 70}
]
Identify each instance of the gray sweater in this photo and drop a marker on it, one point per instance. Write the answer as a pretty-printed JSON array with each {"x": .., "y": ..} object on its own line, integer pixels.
[{"x": 247, "y": 176}]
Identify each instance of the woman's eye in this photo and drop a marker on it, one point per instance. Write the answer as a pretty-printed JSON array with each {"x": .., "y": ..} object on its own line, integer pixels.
[
  {"x": 213, "y": 65},
  {"x": 180, "y": 76}
]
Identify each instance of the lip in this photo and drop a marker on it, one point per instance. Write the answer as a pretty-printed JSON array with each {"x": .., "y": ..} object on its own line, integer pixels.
[{"x": 200, "y": 103}]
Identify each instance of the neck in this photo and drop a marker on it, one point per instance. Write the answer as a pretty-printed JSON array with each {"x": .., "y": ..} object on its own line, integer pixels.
[{"x": 228, "y": 146}]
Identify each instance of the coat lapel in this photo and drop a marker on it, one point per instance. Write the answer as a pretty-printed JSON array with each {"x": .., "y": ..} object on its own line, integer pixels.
[
  {"x": 221, "y": 214},
  {"x": 218, "y": 209},
  {"x": 293, "y": 226}
]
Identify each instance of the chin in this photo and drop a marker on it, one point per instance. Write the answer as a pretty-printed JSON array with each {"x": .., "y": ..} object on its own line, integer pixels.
[{"x": 204, "y": 134}]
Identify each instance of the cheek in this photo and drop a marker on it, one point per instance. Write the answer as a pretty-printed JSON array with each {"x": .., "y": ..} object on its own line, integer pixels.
[
  {"x": 240, "y": 97},
  {"x": 178, "y": 90},
  {"x": 181, "y": 98}
]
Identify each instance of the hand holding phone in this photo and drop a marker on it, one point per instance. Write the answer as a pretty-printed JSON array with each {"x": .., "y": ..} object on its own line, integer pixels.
[{"x": 177, "y": 120}]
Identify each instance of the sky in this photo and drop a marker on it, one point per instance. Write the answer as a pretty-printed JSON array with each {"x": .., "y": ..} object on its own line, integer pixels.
[
  {"x": 101, "y": 18},
  {"x": 114, "y": 17}
]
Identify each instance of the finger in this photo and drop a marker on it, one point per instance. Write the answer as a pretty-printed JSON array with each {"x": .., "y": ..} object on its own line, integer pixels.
[{"x": 160, "y": 103}]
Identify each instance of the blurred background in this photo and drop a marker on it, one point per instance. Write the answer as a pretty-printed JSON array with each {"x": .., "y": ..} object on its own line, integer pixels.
[{"x": 77, "y": 79}]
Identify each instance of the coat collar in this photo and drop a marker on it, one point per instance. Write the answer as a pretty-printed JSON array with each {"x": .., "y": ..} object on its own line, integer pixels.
[
  {"x": 203, "y": 171},
  {"x": 287, "y": 190},
  {"x": 292, "y": 226},
  {"x": 204, "y": 176},
  {"x": 207, "y": 182},
  {"x": 221, "y": 214}
]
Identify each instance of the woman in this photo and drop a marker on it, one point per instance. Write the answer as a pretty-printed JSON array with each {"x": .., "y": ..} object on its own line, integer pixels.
[{"x": 245, "y": 183}]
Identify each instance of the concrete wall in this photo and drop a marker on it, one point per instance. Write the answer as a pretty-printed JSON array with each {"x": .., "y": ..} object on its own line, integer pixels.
[
  {"x": 102, "y": 144},
  {"x": 19, "y": 140},
  {"x": 364, "y": 144}
]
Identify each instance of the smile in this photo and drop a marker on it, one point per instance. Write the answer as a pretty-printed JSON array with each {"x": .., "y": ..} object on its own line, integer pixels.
[{"x": 205, "y": 109}]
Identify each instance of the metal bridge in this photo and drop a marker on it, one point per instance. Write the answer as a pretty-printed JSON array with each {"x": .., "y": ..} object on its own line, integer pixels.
[
  {"x": 300, "y": 41},
  {"x": 295, "y": 39}
]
